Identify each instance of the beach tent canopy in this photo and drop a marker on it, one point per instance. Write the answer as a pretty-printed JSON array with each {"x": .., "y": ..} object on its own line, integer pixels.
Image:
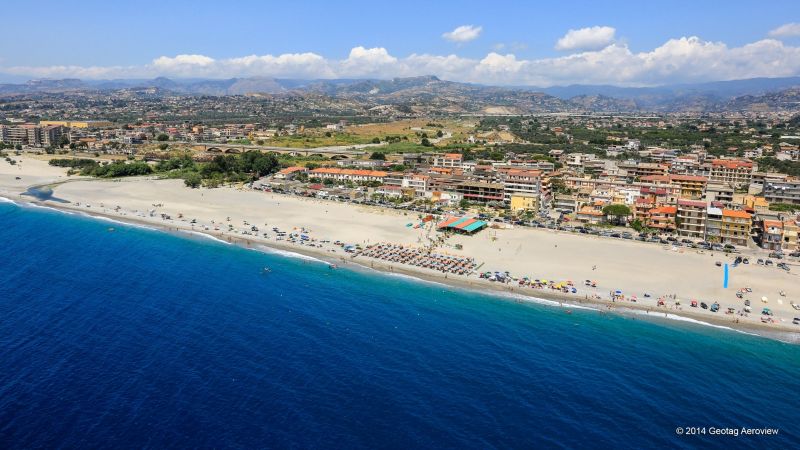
[{"x": 462, "y": 224}]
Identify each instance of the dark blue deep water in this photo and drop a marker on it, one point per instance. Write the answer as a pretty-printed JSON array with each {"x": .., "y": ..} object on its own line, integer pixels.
[{"x": 137, "y": 338}]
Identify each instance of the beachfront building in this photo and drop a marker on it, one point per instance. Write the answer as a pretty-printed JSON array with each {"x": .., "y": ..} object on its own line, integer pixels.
[
  {"x": 690, "y": 220},
  {"x": 523, "y": 201},
  {"x": 714, "y": 224},
  {"x": 480, "y": 191},
  {"x": 791, "y": 229},
  {"x": 521, "y": 181},
  {"x": 416, "y": 182},
  {"x": 290, "y": 173},
  {"x": 787, "y": 191},
  {"x": 590, "y": 215},
  {"x": 354, "y": 175},
  {"x": 662, "y": 218},
  {"x": 735, "y": 227},
  {"x": 444, "y": 198},
  {"x": 568, "y": 203},
  {"x": 737, "y": 172},
  {"x": 771, "y": 232}
]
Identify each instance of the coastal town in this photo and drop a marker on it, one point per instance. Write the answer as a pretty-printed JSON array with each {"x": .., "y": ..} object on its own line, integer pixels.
[
  {"x": 698, "y": 196},
  {"x": 456, "y": 188},
  {"x": 365, "y": 225}
]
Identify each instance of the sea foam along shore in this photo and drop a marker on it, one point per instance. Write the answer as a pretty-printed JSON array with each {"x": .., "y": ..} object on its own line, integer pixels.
[{"x": 545, "y": 297}]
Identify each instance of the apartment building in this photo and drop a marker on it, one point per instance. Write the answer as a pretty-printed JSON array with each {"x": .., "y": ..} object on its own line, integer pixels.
[
  {"x": 353, "y": 175},
  {"x": 760, "y": 179},
  {"x": 519, "y": 181},
  {"x": 692, "y": 186},
  {"x": 566, "y": 202},
  {"x": 77, "y": 123},
  {"x": 736, "y": 172},
  {"x": 690, "y": 218},
  {"x": 771, "y": 232},
  {"x": 787, "y": 191},
  {"x": 714, "y": 224},
  {"x": 791, "y": 229},
  {"x": 522, "y": 201},
  {"x": 662, "y": 218},
  {"x": 479, "y": 191},
  {"x": 637, "y": 170},
  {"x": 719, "y": 192},
  {"x": 417, "y": 182},
  {"x": 736, "y": 227},
  {"x": 449, "y": 160}
]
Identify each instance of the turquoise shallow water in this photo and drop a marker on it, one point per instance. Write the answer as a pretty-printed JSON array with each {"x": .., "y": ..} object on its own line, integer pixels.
[{"x": 140, "y": 338}]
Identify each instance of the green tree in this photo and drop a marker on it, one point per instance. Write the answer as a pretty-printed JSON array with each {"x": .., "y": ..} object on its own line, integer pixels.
[
  {"x": 193, "y": 180},
  {"x": 616, "y": 212},
  {"x": 378, "y": 155},
  {"x": 162, "y": 137}
]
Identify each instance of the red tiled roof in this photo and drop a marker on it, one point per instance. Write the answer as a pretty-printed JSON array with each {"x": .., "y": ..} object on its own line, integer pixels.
[
  {"x": 664, "y": 210},
  {"x": 697, "y": 203},
  {"x": 735, "y": 213},
  {"x": 731, "y": 163}
]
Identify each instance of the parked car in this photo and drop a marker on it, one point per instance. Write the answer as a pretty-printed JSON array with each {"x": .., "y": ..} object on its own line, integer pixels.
[{"x": 703, "y": 305}]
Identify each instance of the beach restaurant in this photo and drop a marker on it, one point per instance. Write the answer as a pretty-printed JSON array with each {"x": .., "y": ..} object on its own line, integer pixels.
[{"x": 465, "y": 225}]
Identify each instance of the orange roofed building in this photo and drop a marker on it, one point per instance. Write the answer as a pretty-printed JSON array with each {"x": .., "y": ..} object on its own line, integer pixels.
[
  {"x": 663, "y": 218},
  {"x": 735, "y": 227}
]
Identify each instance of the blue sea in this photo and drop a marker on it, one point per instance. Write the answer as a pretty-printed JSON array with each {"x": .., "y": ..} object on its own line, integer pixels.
[{"x": 137, "y": 338}]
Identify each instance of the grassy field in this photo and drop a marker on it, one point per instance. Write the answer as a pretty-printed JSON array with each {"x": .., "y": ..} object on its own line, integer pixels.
[{"x": 409, "y": 131}]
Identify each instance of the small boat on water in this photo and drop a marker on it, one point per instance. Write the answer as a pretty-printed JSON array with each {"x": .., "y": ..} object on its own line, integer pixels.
[{"x": 266, "y": 270}]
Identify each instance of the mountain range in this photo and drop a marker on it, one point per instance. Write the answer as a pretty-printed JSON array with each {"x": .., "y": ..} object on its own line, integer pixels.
[{"x": 429, "y": 93}]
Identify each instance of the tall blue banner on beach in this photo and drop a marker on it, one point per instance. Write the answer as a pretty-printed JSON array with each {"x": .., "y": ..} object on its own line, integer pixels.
[{"x": 725, "y": 278}]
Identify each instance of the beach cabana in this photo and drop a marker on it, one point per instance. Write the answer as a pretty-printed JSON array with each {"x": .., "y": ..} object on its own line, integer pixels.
[{"x": 466, "y": 225}]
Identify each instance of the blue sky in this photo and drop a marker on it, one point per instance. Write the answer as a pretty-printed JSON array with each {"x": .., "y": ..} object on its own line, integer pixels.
[{"x": 93, "y": 39}]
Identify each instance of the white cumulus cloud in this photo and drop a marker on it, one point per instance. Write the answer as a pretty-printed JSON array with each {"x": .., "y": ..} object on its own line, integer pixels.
[
  {"x": 679, "y": 60},
  {"x": 464, "y": 33},
  {"x": 786, "y": 30},
  {"x": 591, "y": 38}
]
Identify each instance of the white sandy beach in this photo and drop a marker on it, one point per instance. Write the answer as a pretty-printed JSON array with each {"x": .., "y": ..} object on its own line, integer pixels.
[{"x": 633, "y": 267}]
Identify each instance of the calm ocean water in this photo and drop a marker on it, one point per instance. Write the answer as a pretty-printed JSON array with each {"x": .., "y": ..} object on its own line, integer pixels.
[{"x": 139, "y": 338}]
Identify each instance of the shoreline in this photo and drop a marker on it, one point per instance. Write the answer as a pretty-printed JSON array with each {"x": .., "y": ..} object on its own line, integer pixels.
[{"x": 545, "y": 297}]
